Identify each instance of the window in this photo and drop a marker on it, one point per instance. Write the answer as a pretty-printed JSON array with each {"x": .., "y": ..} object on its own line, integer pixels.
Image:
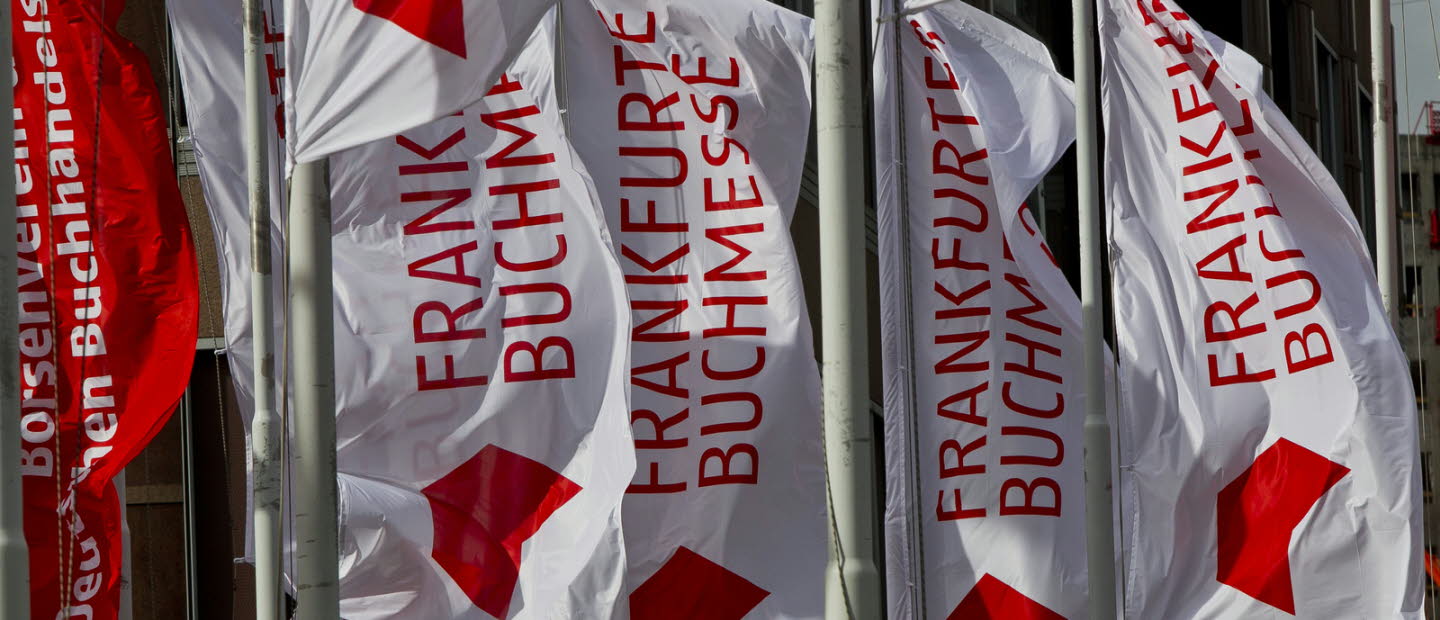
[
  {"x": 1410, "y": 295},
  {"x": 182, "y": 149},
  {"x": 1043, "y": 20},
  {"x": 1427, "y": 485},
  {"x": 1351, "y": 14},
  {"x": 1282, "y": 67},
  {"x": 1328, "y": 100},
  {"x": 1226, "y": 20},
  {"x": 1417, "y": 378},
  {"x": 806, "y": 7},
  {"x": 1365, "y": 199},
  {"x": 1026, "y": 11},
  {"x": 1420, "y": 197},
  {"x": 1408, "y": 195}
]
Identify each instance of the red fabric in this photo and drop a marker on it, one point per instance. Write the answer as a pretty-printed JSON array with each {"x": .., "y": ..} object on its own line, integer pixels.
[
  {"x": 483, "y": 511},
  {"x": 438, "y": 22},
  {"x": 691, "y": 586},
  {"x": 1434, "y": 228},
  {"x": 107, "y": 259},
  {"x": 1437, "y": 324},
  {"x": 992, "y": 599},
  {"x": 1257, "y": 513}
]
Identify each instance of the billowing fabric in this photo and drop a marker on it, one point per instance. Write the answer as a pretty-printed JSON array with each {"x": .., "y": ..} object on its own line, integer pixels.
[
  {"x": 484, "y": 444},
  {"x": 984, "y": 401},
  {"x": 692, "y": 116},
  {"x": 209, "y": 44},
  {"x": 362, "y": 70},
  {"x": 108, "y": 293},
  {"x": 481, "y": 338},
  {"x": 1268, "y": 436}
]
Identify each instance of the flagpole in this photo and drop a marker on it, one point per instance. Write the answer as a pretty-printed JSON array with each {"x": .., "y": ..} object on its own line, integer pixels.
[
  {"x": 265, "y": 427},
  {"x": 14, "y": 556},
  {"x": 1099, "y": 516},
  {"x": 312, "y": 323},
  {"x": 852, "y": 588},
  {"x": 1382, "y": 67}
]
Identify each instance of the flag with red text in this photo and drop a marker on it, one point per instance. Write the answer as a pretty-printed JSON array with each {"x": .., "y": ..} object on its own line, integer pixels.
[
  {"x": 481, "y": 338},
  {"x": 693, "y": 117},
  {"x": 1268, "y": 447},
  {"x": 484, "y": 447},
  {"x": 108, "y": 293},
  {"x": 361, "y": 70},
  {"x": 984, "y": 401}
]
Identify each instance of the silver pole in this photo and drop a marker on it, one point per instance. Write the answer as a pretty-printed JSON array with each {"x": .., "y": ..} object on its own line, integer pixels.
[
  {"x": 1382, "y": 67},
  {"x": 14, "y": 557},
  {"x": 127, "y": 565},
  {"x": 1099, "y": 517},
  {"x": 265, "y": 426},
  {"x": 852, "y": 588},
  {"x": 187, "y": 484},
  {"x": 317, "y": 555}
]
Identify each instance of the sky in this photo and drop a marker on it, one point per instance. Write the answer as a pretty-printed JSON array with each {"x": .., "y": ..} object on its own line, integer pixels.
[{"x": 1417, "y": 70}]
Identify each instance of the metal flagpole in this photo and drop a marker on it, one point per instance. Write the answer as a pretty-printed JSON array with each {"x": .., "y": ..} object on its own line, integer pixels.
[
  {"x": 14, "y": 557},
  {"x": 265, "y": 438},
  {"x": 313, "y": 459},
  {"x": 1099, "y": 516},
  {"x": 852, "y": 588},
  {"x": 1382, "y": 67},
  {"x": 127, "y": 564}
]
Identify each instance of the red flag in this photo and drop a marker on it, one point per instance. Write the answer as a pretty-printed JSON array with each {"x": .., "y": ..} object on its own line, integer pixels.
[
  {"x": 108, "y": 291},
  {"x": 1432, "y": 567}
]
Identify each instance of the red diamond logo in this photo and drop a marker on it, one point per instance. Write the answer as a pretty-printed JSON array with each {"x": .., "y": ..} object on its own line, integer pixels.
[
  {"x": 992, "y": 599},
  {"x": 692, "y": 587},
  {"x": 438, "y": 22},
  {"x": 484, "y": 511},
  {"x": 1257, "y": 513}
]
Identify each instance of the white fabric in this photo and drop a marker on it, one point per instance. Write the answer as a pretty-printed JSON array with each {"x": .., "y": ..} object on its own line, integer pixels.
[
  {"x": 395, "y": 439},
  {"x": 208, "y": 48},
  {"x": 956, "y": 382},
  {"x": 355, "y": 75},
  {"x": 678, "y": 254},
  {"x": 1190, "y": 429}
]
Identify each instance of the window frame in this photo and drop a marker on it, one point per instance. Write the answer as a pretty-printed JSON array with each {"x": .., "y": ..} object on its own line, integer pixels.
[{"x": 1334, "y": 159}]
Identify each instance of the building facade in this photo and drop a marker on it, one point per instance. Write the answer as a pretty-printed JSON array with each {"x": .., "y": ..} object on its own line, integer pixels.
[
  {"x": 192, "y": 478},
  {"x": 1418, "y": 303}
]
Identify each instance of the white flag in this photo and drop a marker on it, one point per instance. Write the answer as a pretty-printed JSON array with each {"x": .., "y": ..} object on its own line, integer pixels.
[
  {"x": 208, "y": 48},
  {"x": 361, "y": 70},
  {"x": 693, "y": 116},
  {"x": 1268, "y": 432},
  {"x": 481, "y": 339},
  {"x": 984, "y": 415},
  {"x": 483, "y": 332}
]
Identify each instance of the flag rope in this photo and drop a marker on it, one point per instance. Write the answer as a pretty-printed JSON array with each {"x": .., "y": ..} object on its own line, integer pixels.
[
  {"x": 282, "y": 375},
  {"x": 915, "y": 540},
  {"x": 1123, "y": 577},
  {"x": 172, "y": 120},
  {"x": 61, "y": 548},
  {"x": 97, "y": 46}
]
